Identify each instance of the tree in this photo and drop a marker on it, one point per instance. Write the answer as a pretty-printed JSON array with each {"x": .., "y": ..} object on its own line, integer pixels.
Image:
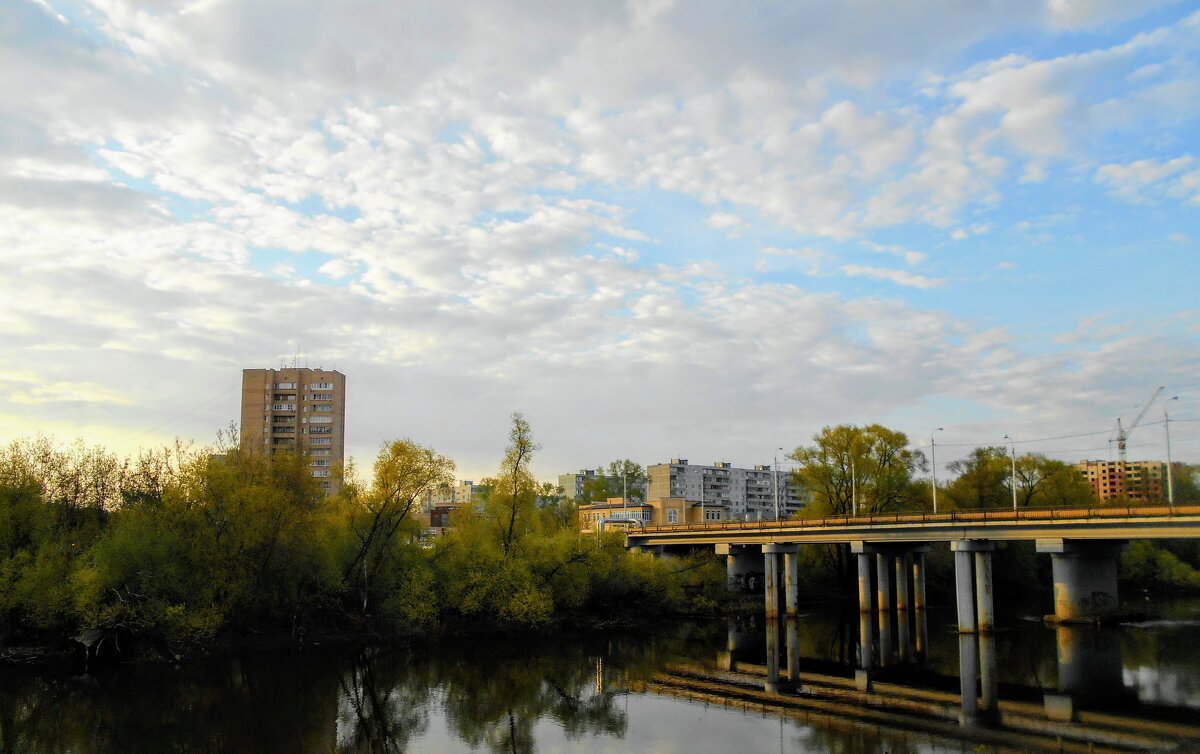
[
  {"x": 1044, "y": 481},
  {"x": 514, "y": 491},
  {"x": 871, "y": 464},
  {"x": 983, "y": 479},
  {"x": 620, "y": 478},
  {"x": 404, "y": 473},
  {"x": 1185, "y": 478}
]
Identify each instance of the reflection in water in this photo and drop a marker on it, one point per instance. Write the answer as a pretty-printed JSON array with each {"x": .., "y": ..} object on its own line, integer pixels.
[{"x": 519, "y": 696}]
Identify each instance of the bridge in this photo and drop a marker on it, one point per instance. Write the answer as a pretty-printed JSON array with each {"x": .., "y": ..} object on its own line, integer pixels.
[{"x": 1083, "y": 542}]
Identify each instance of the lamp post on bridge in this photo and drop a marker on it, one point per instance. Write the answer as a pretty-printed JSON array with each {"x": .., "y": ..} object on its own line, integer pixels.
[
  {"x": 1167, "y": 429},
  {"x": 775, "y": 481},
  {"x": 1013, "y": 445},
  {"x": 933, "y": 465}
]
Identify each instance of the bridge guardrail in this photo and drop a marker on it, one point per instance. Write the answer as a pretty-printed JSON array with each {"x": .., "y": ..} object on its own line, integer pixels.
[{"x": 951, "y": 517}]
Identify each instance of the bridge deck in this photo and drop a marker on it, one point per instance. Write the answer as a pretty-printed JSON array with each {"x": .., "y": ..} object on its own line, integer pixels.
[{"x": 1099, "y": 523}]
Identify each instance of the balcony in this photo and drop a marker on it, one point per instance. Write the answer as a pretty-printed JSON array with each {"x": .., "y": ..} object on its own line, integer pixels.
[{"x": 291, "y": 407}]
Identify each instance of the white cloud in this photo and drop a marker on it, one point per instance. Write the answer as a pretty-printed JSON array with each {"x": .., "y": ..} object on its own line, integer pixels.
[
  {"x": 1139, "y": 180},
  {"x": 899, "y": 277},
  {"x": 448, "y": 183}
]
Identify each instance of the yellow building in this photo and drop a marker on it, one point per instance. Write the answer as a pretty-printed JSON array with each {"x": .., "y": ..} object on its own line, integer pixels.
[
  {"x": 300, "y": 410},
  {"x": 673, "y": 510},
  {"x": 1135, "y": 480}
]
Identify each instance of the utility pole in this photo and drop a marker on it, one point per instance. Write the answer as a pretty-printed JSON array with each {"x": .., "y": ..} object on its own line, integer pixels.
[
  {"x": 775, "y": 480},
  {"x": 933, "y": 465},
  {"x": 1167, "y": 429},
  {"x": 1013, "y": 445}
]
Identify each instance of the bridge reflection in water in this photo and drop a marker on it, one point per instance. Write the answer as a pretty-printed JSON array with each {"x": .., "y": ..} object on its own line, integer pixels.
[{"x": 882, "y": 677}]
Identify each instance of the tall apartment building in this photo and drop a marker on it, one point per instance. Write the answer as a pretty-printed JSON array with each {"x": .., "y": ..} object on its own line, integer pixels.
[
  {"x": 746, "y": 494},
  {"x": 297, "y": 409},
  {"x": 572, "y": 484},
  {"x": 1136, "y": 480}
]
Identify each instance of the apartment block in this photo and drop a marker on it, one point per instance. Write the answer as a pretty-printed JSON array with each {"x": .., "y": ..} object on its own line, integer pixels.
[
  {"x": 742, "y": 494},
  {"x": 461, "y": 493},
  {"x": 1135, "y": 480},
  {"x": 572, "y": 484},
  {"x": 298, "y": 410}
]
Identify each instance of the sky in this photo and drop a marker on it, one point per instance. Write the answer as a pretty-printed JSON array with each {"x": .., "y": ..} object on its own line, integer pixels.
[{"x": 657, "y": 229}]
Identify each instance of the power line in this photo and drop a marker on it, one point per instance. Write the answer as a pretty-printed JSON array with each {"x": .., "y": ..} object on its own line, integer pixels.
[
  {"x": 1049, "y": 439},
  {"x": 187, "y": 413}
]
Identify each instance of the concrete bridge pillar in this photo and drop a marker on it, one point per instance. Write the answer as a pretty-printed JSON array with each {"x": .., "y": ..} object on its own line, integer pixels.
[
  {"x": 903, "y": 566},
  {"x": 918, "y": 573},
  {"x": 739, "y": 561},
  {"x": 887, "y": 654},
  {"x": 883, "y": 577},
  {"x": 771, "y": 582},
  {"x": 866, "y": 653},
  {"x": 968, "y": 678},
  {"x": 984, "y": 611},
  {"x": 904, "y": 637},
  {"x": 921, "y": 637},
  {"x": 771, "y": 556},
  {"x": 973, "y": 591},
  {"x": 864, "y": 582},
  {"x": 1085, "y": 577},
  {"x": 791, "y": 581}
]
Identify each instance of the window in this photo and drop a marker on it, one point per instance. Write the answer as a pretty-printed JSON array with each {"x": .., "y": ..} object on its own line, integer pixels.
[
  {"x": 322, "y": 407},
  {"x": 322, "y": 396},
  {"x": 320, "y": 452},
  {"x": 320, "y": 473},
  {"x": 285, "y": 386},
  {"x": 321, "y": 420},
  {"x": 320, "y": 430},
  {"x": 321, "y": 441},
  {"x": 321, "y": 386},
  {"x": 672, "y": 517},
  {"x": 320, "y": 462}
]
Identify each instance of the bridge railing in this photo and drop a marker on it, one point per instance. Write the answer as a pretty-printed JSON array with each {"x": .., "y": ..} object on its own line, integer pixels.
[{"x": 950, "y": 517}]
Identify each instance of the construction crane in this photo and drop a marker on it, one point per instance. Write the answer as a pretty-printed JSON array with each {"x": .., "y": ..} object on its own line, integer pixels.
[{"x": 1123, "y": 433}]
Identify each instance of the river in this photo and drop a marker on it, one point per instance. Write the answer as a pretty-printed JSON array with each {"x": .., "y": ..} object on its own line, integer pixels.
[{"x": 685, "y": 687}]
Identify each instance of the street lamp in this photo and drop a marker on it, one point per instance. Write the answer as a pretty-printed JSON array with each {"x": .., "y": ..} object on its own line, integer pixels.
[
  {"x": 624, "y": 491},
  {"x": 1167, "y": 429},
  {"x": 1013, "y": 445},
  {"x": 933, "y": 465},
  {"x": 775, "y": 481},
  {"x": 853, "y": 487}
]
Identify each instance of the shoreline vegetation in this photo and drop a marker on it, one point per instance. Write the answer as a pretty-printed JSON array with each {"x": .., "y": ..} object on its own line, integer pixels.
[{"x": 182, "y": 550}]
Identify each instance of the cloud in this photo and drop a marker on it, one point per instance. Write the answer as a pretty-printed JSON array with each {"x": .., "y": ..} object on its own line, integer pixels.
[
  {"x": 730, "y": 223},
  {"x": 899, "y": 277},
  {"x": 1150, "y": 179},
  {"x": 587, "y": 211}
]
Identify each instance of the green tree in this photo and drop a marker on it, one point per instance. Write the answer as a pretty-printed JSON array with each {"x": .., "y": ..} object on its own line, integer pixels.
[
  {"x": 1047, "y": 482},
  {"x": 405, "y": 473},
  {"x": 870, "y": 464},
  {"x": 985, "y": 480},
  {"x": 615, "y": 480},
  {"x": 982, "y": 481},
  {"x": 513, "y": 492}
]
